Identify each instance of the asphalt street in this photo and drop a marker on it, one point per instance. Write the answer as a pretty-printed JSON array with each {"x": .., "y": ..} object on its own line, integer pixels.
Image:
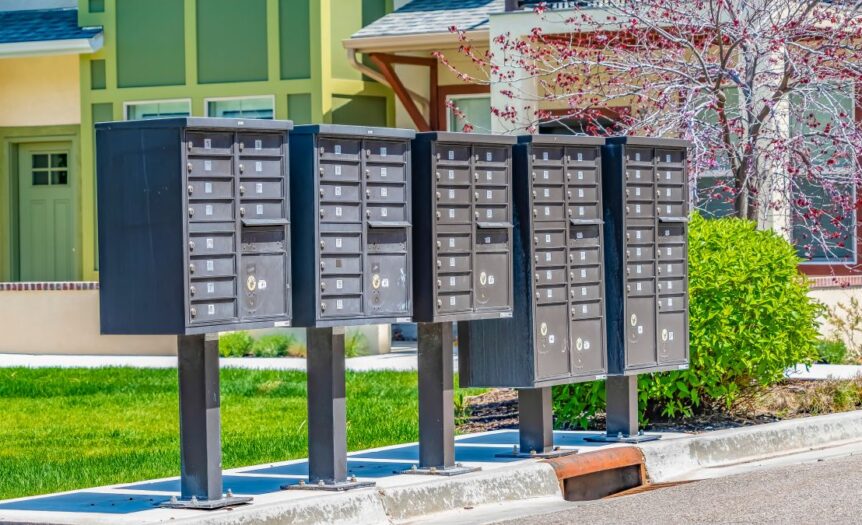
[{"x": 826, "y": 491}]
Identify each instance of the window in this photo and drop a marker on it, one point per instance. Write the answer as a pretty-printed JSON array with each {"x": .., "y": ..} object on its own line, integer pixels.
[
  {"x": 474, "y": 110},
  {"x": 252, "y": 107},
  {"x": 158, "y": 109},
  {"x": 50, "y": 169}
]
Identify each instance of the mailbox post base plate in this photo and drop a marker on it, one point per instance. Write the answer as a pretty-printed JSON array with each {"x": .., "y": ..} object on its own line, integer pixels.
[
  {"x": 339, "y": 486},
  {"x": 455, "y": 470},
  {"x": 549, "y": 454},
  {"x": 205, "y": 504},
  {"x": 638, "y": 438}
]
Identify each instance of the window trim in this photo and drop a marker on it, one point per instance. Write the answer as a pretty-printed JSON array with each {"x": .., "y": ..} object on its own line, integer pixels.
[
  {"x": 468, "y": 96},
  {"x": 128, "y": 103},
  {"x": 243, "y": 97},
  {"x": 443, "y": 94}
]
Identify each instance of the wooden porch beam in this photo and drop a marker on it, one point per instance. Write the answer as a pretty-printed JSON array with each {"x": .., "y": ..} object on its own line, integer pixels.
[{"x": 384, "y": 65}]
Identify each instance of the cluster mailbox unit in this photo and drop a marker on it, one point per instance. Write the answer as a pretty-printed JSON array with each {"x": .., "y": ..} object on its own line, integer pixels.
[
  {"x": 462, "y": 195},
  {"x": 557, "y": 334},
  {"x": 193, "y": 240}
]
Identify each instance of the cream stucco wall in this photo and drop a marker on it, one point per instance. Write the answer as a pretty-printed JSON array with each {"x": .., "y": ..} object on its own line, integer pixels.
[{"x": 40, "y": 91}]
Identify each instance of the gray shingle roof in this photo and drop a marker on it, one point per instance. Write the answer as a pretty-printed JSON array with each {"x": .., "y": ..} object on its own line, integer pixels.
[
  {"x": 433, "y": 16},
  {"x": 41, "y": 25}
]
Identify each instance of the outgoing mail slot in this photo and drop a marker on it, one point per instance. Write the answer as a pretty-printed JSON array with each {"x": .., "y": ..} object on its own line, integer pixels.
[
  {"x": 671, "y": 252},
  {"x": 492, "y": 239},
  {"x": 639, "y": 193},
  {"x": 261, "y": 210},
  {"x": 263, "y": 239},
  {"x": 452, "y": 153},
  {"x": 339, "y": 192},
  {"x": 453, "y": 195},
  {"x": 585, "y": 274},
  {"x": 339, "y": 212},
  {"x": 674, "y": 285},
  {"x": 635, "y": 155},
  {"x": 490, "y": 196},
  {"x": 547, "y": 175},
  {"x": 340, "y": 243},
  {"x": 210, "y": 211},
  {"x": 204, "y": 143},
  {"x": 341, "y": 306},
  {"x": 549, "y": 212},
  {"x": 386, "y": 284},
  {"x": 549, "y": 239},
  {"x": 671, "y": 176},
  {"x": 639, "y": 210},
  {"x": 387, "y": 240},
  {"x": 671, "y": 303},
  {"x": 386, "y": 212},
  {"x": 204, "y": 167},
  {"x": 673, "y": 156},
  {"x": 343, "y": 149},
  {"x": 581, "y": 176},
  {"x": 548, "y": 194},
  {"x": 587, "y": 346},
  {"x": 341, "y": 265},
  {"x": 491, "y": 281},
  {"x": 453, "y": 215},
  {"x": 584, "y": 235},
  {"x": 640, "y": 253},
  {"x": 260, "y": 168},
  {"x": 385, "y": 151},
  {"x": 460, "y": 282},
  {"x": 640, "y": 331},
  {"x": 584, "y": 292},
  {"x": 385, "y": 192},
  {"x": 547, "y": 155},
  {"x": 575, "y": 155},
  {"x": 384, "y": 173},
  {"x": 212, "y": 289},
  {"x": 212, "y": 311},
  {"x": 675, "y": 193},
  {"x": 546, "y": 276},
  {"x": 550, "y": 294},
  {"x": 671, "y": 210},
  {"x": 489, "y": 155},
  {"x": 453, "y": 175},
  {"x": 639, "y": 175},
  {"x": 453, "y": 242},
  {"x": 453, "y": 263},
  {"x": 550, "y": 258},
  {"x": 584, "y": 211},
  {"x": 672, "y": 340},
  {"x": 262, "y": 291},
  {"x": 210, "y": 189},
  {"x": 584, "y": 256},
  {"x": 492, "y": 213},
  {"x": 330, "y": 286},
  {"x": 459, "y": 302},
  {"x": 490, "y": 176},
  {"x": 590, "y": 310},
  {"x": 579, "y": 194},
  {"x": 640, "y": 235},
  {"x": 667, "y": 269},
  {"x": 672, "y": 233},
  {"x": 259, "y": 144},
  {"x": 552, "y": 341},
  {"x": 640, "y": 270},
  {"x": 210, "y": 243},
  {"x": 640, "y": 287},
  {"x": 337, "y": 171},
  {"x": 260, "y": 189},
  {"x": 201, "y": 267}
]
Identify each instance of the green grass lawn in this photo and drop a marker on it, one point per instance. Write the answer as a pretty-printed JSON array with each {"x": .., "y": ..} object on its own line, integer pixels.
[{"x": 76, "y": 428}]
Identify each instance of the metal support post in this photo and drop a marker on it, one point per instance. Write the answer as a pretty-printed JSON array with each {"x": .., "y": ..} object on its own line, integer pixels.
[
  {"x": 622, "y": 411},
  {"x": 200, "y": 426},
  {"x": 436, "y": 406},
  {"x": 536, "y": 425},
  {"x": 327, "y": 415}
]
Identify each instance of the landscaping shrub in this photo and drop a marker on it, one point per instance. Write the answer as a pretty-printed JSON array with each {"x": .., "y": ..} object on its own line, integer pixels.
[
  {"x": 234, "y": 344},
  {"x": 751, "y": 318},
  {"x": 273, "y": 345},
  {"x": 831, "y": 352}
]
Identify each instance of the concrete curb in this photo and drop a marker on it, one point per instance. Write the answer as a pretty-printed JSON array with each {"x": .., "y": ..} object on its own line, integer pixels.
[{"x": 671, "y": 459}]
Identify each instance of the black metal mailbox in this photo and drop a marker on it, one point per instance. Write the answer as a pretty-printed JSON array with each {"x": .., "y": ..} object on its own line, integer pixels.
[
  {"x": 462, "y": 231},
  {"x": 352, "y": 225},
  {"x": 646, "y": 213},
  {"x": 193, "y": 225},
  {"x": 557, "y": 333}
]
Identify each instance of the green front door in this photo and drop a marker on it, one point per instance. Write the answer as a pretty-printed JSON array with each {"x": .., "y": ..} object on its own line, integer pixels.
[{"x": 46, "y": 207}]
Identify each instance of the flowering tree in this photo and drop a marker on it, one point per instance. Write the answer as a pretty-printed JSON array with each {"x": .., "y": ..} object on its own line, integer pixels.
[{"x": 764, "y": 89}]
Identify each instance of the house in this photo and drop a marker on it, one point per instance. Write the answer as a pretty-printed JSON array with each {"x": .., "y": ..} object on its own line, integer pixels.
[{"x": 68, "y": 64}]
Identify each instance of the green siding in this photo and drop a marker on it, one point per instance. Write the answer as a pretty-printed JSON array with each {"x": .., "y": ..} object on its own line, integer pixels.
[
  {"x": 232, "y": 41},
  {"x": 299, "y": 108},
  {"x": 97, "y": 6},
  {"x": 295, "y": 38},
  {"x": 97, "y": 74},
  {"x": 346, "y": 20},
  {"x": 359, "y": 110},
  {"x": 150, "y": 43}
]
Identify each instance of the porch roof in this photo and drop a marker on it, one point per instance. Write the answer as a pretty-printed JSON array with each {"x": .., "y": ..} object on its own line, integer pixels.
[{"x": 46, "y": 32}]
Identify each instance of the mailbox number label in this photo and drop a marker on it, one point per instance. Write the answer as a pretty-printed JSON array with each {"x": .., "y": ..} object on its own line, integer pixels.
[
  {"x": 210, "y": 287},
  {"x": 580, "y": 175},
  {"x": 667, "y": 158},
  {"x": 208, "y": 209},
  {"x": 489, "y": 175},
  {"x": 208, "y": 143},
  {"x": 451, "y": 172},
  {"x": 338, "y": 191},
  {"x": 258, "y": 166},
  {"x": 383, "y": 171},
  {"x": 338, "y": 211},
  {"x": 208, "y": 165},
  {"x": 489, "y": 193},
  {"x": 383, "y": 152},
  {"x": 452, "y": 242},
  {"x": 339, "y": 284},
  {"x": 208, "y": 187},
  {"x": 545, "y": 174},
  {"x": 338, "y": 242},
  {"x": 211, "y": 309},
  {"x": 547, "y": 238},
  {"x": 544, "y": 155},
  {"x": 451, "y": 157},
  {"x": 339, "y": 304},
  {"x": 489, "y": 213},
  {"x": 210, "y": 266},
  {"x": 547, "y": 210},
  {"x": 452, "y": 281},
  {"x": 259, "y": 209},
  {"x": 580, "y": 156},
  {"x": 638, "y": 156},
  {"x": 210, "y": 243},
  {"x": 384, "y": 192},
  {"x": 489, "y": 157},
  {"x": 452, "y": 301},
  {"x": 384, "y": 212},
  {"x": 451, "y": 261},
  {"x": 258, "y": 187},
  {"x": 338, "y": 169},
  {"x": 451, "y": 194},
  {"x": 451, "y": 213},
  {"x": 338, "y": 149},
  {"x": 583, "y": 274}
]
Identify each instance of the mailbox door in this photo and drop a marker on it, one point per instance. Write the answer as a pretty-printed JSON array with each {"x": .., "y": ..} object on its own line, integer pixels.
[
  {"x": 587, "y": 346},
  {"x": 640, "y": 331},
  {"x": 491, "y": 280},
  {"x": 262, "y": 293},
  {"x": 672, "y": 337},
  {"x": 387, "y": 284},
  {"x": 552, "y": 341}
]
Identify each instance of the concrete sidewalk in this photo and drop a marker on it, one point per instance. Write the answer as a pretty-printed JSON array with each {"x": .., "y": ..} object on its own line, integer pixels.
[{"x": 823, "y": 372}]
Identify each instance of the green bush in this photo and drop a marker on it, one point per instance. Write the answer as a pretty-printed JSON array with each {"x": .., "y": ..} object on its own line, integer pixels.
[
  {"x": 831, "y": 351},
  {"x": 234, "y": 344},
  {"x": 273, "y": 345},
  {"x": 751, "y": 318},
  {"x": 355, "y": 343}
]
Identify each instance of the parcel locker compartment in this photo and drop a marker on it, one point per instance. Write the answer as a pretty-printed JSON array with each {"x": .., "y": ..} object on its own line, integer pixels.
[
  {"x": 260, "y": 168},
  {"x": 211, "y": 289},
  {"x": 584, "y": 235},
  {"x": 491, "y": 155},
  {"x": 584, "y": 256},
  {"x": 585, "y": 194},
  {"x": 490, "y": 176},
  {"x": 585, "y": 274},
  {"x": 338, "y": 148},
  {"x": 387, "y": 240},
  {"x": 261, "y": 189},
  {"x": 259, "y": 144},
  {"x": 672, "y": 269},
  {"x": 491, "y": 196},
  {"x": 545, "y": 239},
  {"x": 262, "y": 286},
  {"x": 545, "y": 175},
  {"x": 491, "y": 281},
  {"x": 585, "y": 176},
  {"x": 639, "y": 175},
  {"x": 330, "y": 286},
  {"x": 498, "y": 214},
  {"x": 640, "y": 331},
  {"x": 262, "y": 210},
  {"x": 386, "y": 285},
  {"x": 340, "y": 243},
  {"x": 200, "y": 211},
  {"x": 671, "y": 303},
  {"x": 453, "y": 242},
  {"x": 341, "y": 265},
  {"x": 453, "y": 175},
  {"x": 339, "y": 192},
  {"x": 669, "y": 157},
  {"x": 346, "y": 306},
  {"x": 201, "y": 267},
  {"x": 671, "y": 252},
  {"x": 460, "y": 282},
  {"x": 453, "y": 153},
  {"x": 550, "y": 294},
  {"x": 210, "y": 243},
  {"x": 547, "y": 154},
  {"x": 202, "y": 143},
  {"x": 384, "y": 173},
  {"x": 671, "y": 210},
  {"x": 548, "y": 194},
  {"x": 640, "y": 287},
  {"x": 640, "y": 253},
  {"x": 453, "y": 215},
  {"x": 640, "y": 235},
  {"x": 674, "y": 285},
  {"x": 671, "y": 176},
  {"x": 203, "y": 167},
  {"x": 575, "y": 155},
  {"x": 634, "y": 155},
  {"x": 212, "y": 311},
  {"x": 453, "y": 263},
  {"x": 386, "y": 212},
  {"x": 581, "y": 211},
  {"x": 453, "y": 302},
  {"x": 549, "y": 212},
  {"x": 640, "y": 193},
  {"x": 672, "y": 330},
  {"x": 550, "y": 276},
  {"x": 640, "y": 210},
  {"x": 552, "y": 345},
  {"x": 587, "y": 346},
  {"x": 338, "y": 171},
  {"x": 675, "y": 193},
  {"x": 347, "y": 212},
  {"x": 459, "y": 195},
  {"x": 385, "y": 151},
  {"x": 492, "y": 239},
  {"x": 585, "y": 292},
  {"x": 672, "y": 233},
  {"x": 590, "y": 310},
  {"x": 556, "y": 257},
  {"x": 264, "y": 239},
  {"x": 640, "y": 270}
]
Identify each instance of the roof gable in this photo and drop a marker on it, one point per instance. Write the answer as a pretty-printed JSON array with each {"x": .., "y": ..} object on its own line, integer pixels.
[
  {"x": 434, "y": 16},
  {"x": 42, "y": 25}
]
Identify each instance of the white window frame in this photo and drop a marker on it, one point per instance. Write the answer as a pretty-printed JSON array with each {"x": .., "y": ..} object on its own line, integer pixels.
[
  {"x": 449, "y": 113},
  {"x": 129, "y": 103},
  {"x": 244, "y": 97}
]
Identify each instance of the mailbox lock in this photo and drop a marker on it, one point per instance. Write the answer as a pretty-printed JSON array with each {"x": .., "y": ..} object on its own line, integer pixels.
[
  {"x": 537, "y": 277},
  {"x": 538, "y": 295},
  {"x": 241, "y": 189},
  {"x": 323, "y": 286},
  {"x": 476, "y": 196},
  {"x": 628, "y": 288},
  {"x": 322, "y": 150},
  {"x": 194, "y": 312},
  {"x": 368, "y": 213},
  {"x": 439, "y": 263},
  {"x": 368, "y": 173},
  {"x": 438, "y": 173},
  {"x": 192, "y": 290},
  {"x": 634, "y": 320},
  {"x": 438, "y": 195},
  {"x": 439, "y": 303},
  {"x": 189, "y": 165},
  {"x": 534, "y": 194},
  {"x": 628, "y": 210},
  {"x": 191, "y": 212},
  {"x": 477, "y": 215},
  {"x": 191, "y": 268},
  {"x": 241, "y": 146},
  {"x": 536, "y": 240},
  {"x": 190, "y": 145},
  {"x": 535, "y": 212},
  {"x": 322, "y": 171},
  {"x": 534, "y": 175},
  {"x": 191, "y": 246},
  {"x": 439, "y": 283},
  {"x": 438, "y": 215},
  {"x": 476, "y": 176},
  {"x": 569, "y": 193},
  {"x": 322, "y": 265},
  {"x": 322, "y": 245},
  {"x": 241, "y": 168},
  {"x": 439, "y": 245},
  {"x": 368, "y": 193},
  {"x": 242, "y": 212},
  {"x": 322, "y": 307},
  {"x": 191, "y": 189},
  {"x": 322, "y": 212}
]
